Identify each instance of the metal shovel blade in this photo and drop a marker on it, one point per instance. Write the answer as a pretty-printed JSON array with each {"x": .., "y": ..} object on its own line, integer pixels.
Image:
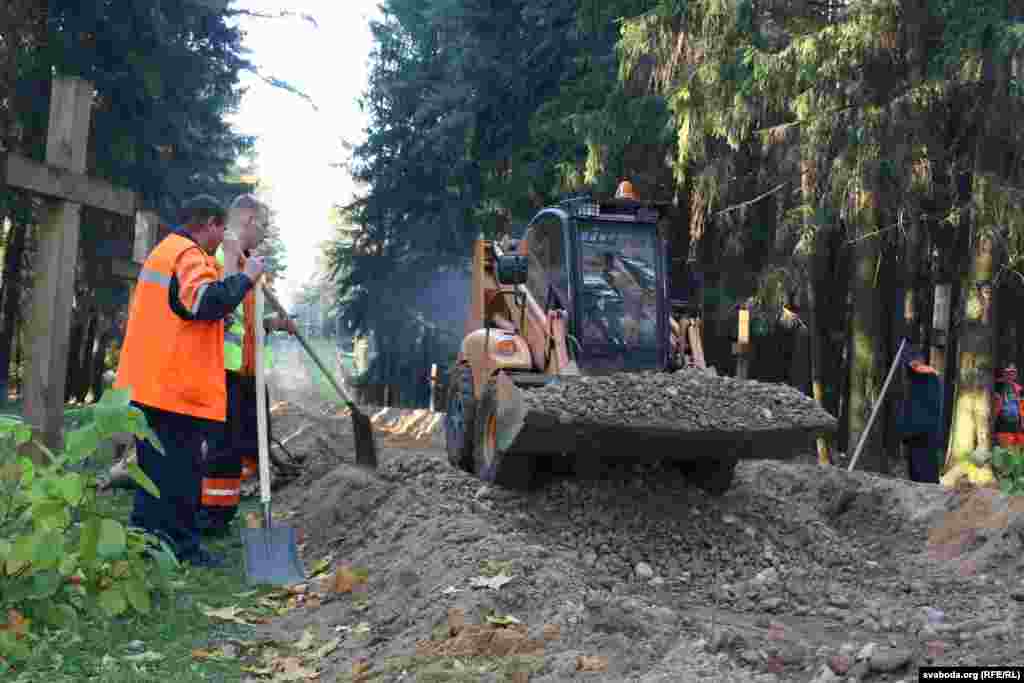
[{"x": 272, "y": 557}]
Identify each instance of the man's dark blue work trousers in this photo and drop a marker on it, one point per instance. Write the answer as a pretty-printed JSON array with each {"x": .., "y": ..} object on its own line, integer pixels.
[
  {"x": 177, "y": 474},
  {"x": 923, "y": 458}
]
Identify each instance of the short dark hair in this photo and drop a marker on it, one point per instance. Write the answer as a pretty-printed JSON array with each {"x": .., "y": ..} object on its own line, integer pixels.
[
  {"x": 200, "y": 209},
  {"x": 246, "y": 201}
]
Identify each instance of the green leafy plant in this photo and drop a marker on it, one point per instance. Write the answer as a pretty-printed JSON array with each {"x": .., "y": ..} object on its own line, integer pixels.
[
  {"x": 59, "y": 556},
  {"x": 1008, "y": 464}
]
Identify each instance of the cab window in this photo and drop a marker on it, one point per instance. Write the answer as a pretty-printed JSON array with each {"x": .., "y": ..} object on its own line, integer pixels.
[{"x": 547, "y": 263}]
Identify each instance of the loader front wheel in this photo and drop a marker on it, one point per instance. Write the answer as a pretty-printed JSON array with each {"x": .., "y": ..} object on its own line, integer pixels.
[
  {"x": 715, "y": 476},
  {"x": 460, "y": 419},
  {"x": 510, "y": 470}
]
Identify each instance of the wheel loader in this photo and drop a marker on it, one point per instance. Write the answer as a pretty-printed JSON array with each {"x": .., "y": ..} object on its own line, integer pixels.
[{"x": 583, "y": 292}]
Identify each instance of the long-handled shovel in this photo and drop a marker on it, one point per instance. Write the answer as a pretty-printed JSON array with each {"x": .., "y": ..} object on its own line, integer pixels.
[
  {"x": 366, "y": 447},
  {"x": 271, "y": 553},
  {"x": 878, "y": 404}
]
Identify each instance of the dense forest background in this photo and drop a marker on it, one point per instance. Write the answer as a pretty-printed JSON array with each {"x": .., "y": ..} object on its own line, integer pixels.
[
  {"x": 166, "y": 77},
  {"x": 831, "y": 165},
  {"x": 837, "y": 167}
]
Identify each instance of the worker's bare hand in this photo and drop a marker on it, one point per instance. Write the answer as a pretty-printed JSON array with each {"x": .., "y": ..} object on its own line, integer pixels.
[
  {"x": 286, "y": 324},
  {"x": 254, "y": 267},
  {"x": 231, "y": 243}
]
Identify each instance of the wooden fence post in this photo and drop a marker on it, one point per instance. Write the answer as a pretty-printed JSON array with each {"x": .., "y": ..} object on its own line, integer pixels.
[
  {"x": 433, "y": 387},
  {"x": 54, "y": 272},
  {"x": 742, "y": 346},
  {"x": 940, "y": 328}
]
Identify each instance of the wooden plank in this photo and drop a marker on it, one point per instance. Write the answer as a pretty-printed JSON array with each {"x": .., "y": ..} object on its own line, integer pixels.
[
  {"x": 147, "y": 228},
  {"x": 54, "y": 272},
  {"x": 940, "y": 327},
  {"x": 742, "y": 346},
  {"x": 57, "y": 183}
]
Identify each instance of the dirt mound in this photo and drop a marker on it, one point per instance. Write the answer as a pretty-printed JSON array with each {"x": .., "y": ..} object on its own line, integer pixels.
[
  {"x": 984, "y": 528},
  {"x": 634, "y": 568},
  {"x": 688, "y": 400},
  {"x": 799, "y": 572}
]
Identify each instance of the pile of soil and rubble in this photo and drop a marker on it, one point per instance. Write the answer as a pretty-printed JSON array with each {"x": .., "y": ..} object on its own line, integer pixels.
[
  {"x": 799, "y": 573},
  {"x": 687, "y": 400}
]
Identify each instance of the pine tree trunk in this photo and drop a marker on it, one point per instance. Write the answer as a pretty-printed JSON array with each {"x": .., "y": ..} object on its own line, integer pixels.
[
  {"x": 13, "y": 258},
  {"x": 976, "y": 349},
  {"x": 972, "y": 413},
  {"x": 866, "y": 329},
  {"x": 815, "y": 276}
]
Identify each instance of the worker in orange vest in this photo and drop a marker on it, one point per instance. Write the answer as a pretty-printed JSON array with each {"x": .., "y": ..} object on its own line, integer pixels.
[
  {"x": 224, "y": 471},
  {"x": 172, "y": 361}
]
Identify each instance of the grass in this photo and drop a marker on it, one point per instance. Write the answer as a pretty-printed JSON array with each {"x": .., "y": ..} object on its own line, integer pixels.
[
  {"x": 175, "y": 626},
  {"x": 173, "y": 629}
]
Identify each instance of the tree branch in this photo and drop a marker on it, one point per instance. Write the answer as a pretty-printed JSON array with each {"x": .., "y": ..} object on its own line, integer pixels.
[
  {"x": 261, "y": 15},
  {"x": 754, "y": 200}
]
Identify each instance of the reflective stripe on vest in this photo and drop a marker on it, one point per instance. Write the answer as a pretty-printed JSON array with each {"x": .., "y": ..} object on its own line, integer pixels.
[
  {"x": 169, "y": 363},
  {"x": 234, "y": 336},
  {"x": 220, "y": 492}
]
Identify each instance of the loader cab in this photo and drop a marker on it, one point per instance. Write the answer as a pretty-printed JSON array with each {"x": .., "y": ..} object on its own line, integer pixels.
[{"x": 604, "y": 263}]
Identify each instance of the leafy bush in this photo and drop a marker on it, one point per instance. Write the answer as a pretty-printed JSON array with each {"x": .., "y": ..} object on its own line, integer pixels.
[
  {"x": 59, "y": 555},
  {"x": 1007, "y": 465}
]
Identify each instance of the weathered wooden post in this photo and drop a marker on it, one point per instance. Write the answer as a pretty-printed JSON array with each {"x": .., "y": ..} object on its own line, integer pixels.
[
  {"x": 62, "y": 179},
  {"x": 54, "y": 271},
  {"x": 742, "y": 346},
  {"x": 433, "y": 387},
  {"x": 940, "y": 328}
]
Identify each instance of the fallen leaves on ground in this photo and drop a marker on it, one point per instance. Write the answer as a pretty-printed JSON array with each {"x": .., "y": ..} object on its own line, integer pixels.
[
  {"x": 320, "y": 567},
  {"x": 233, "y": 614},
  {"x": 499, "y": 636},
  {"x": 144, "y": 657},
  {"x": 296, "y": 661},
  {"x": 204, "y": 654},
  {"x": 17, "y": 623},
  {"x": 492, "y": 582},
  {"x": 347, "y": 578},
  {"x": 292, "y": 669},
  {"x": 307, "y": 640},
  {"x": 592, "y": 663}
]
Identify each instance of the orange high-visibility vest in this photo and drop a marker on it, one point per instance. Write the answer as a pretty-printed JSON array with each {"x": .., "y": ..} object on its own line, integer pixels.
[{"x": 169, "y": 363}]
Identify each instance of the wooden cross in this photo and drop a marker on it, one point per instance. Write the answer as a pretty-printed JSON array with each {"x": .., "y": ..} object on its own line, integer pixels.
[{"x": 63, "y": 180}]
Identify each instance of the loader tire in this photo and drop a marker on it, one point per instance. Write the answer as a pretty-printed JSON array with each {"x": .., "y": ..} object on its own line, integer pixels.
[
  {"x": 714, "y": 476},
  {"x": 460, "y": 419},
  {"x": 509, "y": 470}
]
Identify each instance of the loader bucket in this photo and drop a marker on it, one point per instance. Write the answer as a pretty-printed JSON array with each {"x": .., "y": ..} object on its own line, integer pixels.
[{"x": 516, "y": 426}]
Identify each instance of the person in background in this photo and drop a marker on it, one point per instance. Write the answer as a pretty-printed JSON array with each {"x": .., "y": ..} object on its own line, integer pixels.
[
  {"x": 1007, "y": 427},
  {"x": 172, "y": 362},
  {"x": 920, "y": 423},
  {"x": 226, "y": 468}
]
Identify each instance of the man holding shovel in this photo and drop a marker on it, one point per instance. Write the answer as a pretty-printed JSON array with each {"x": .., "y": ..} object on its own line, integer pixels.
[
  {"x": 225, "y": 469},
  {"x": 920, "y": 421},
  {"x": 173, "y": 363}
]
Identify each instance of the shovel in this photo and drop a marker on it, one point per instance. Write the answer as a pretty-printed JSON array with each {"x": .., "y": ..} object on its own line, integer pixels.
[
  {"x": 878, "y": 404},
  {"x": 366, "y": 447},
  {"x": 271, "y": 553}
]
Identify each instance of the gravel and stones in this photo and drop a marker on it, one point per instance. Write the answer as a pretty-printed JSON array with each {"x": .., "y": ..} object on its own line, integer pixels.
[{"x": 687, "y": 400}]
